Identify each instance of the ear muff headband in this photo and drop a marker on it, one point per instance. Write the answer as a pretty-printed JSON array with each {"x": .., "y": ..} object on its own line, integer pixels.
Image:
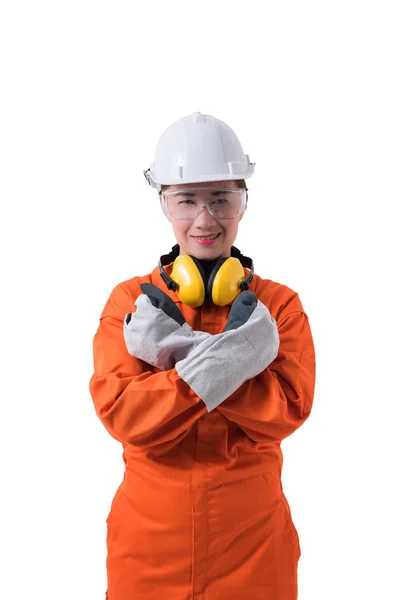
[{"x": 188, "y": 279}]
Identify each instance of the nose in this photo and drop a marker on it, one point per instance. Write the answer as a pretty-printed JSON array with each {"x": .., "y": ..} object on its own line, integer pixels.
[{"x": 205, "y": 217}]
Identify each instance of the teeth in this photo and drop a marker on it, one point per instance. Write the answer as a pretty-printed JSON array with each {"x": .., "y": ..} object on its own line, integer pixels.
[{"x": 208, "y": 237}]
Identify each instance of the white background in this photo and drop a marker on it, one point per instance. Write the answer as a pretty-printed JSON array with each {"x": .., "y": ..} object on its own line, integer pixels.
[{"x": 312, "y": 91}]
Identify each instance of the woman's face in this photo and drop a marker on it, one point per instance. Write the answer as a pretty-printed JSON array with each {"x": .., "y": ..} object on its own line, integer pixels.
[{"x": 204, "y": 224}]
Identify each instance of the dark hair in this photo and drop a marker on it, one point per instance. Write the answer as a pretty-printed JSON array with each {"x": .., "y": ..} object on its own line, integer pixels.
[{"x": 241, "y": 183}]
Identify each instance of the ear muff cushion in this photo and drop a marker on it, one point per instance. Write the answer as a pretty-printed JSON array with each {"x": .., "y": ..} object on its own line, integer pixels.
[
  {"x": 201, "y": 271},
  {"x": 213, "y": 275}
]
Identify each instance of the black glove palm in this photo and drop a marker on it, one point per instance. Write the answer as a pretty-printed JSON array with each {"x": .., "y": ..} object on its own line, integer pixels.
[
  {"x": 160, "y": 300},
  {"x": 241, "y": 310}
]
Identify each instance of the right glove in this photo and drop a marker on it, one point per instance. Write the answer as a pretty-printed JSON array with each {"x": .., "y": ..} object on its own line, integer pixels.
[
  {"x": 220, "y": 364},
  {"x": 158, "y": 332}
]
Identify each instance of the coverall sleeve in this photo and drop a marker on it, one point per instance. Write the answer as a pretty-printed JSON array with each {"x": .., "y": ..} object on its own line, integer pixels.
[
  {"x": 136, "y": 405},
  {"x": 273, "y": 404}
]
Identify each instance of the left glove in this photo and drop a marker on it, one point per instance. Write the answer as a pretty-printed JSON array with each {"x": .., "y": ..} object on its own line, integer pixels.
[
  {"x": 221, "y": 364},
  {"x": 158, "y": 332}
]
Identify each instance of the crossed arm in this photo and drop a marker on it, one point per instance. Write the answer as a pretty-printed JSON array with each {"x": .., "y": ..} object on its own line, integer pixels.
[{"x": 144, "y": 406}]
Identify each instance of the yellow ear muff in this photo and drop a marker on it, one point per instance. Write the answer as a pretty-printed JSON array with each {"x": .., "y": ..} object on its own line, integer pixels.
[
  {"x": 190, "y": 283},
  {"x": 227, "y": 280}
]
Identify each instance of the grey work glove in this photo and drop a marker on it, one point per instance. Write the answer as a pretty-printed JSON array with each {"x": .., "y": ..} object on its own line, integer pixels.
[
  {"x": 220, "y": 364},
  {"x": 158, "y": 332}
]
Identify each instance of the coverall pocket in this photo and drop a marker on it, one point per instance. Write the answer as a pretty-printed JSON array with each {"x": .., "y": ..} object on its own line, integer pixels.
[{"x": 290, "y": 530}]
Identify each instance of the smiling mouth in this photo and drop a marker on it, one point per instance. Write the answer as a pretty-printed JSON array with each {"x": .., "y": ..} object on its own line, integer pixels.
[{"x": 206, "y": 237}]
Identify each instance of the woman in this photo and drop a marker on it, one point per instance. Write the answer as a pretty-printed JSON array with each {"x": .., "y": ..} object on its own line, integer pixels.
[{"x": 201, "y": 369}]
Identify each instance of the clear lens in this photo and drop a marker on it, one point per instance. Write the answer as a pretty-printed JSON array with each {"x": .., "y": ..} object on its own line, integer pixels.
[{"x": 187, "y": 204}]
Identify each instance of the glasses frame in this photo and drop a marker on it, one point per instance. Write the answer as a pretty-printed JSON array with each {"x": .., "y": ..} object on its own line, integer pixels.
[{"x": 166, "y": 193}]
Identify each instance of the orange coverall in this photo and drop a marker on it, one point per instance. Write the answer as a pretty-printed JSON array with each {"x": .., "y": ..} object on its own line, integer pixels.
[{"x": 201, "y": 513}]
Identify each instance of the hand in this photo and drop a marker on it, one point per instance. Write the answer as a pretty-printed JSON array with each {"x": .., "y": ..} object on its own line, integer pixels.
[
  {"x": 158, "y": 332},
  {"x": 244, "y": 351},
  {"x": 241, "y": 310}
]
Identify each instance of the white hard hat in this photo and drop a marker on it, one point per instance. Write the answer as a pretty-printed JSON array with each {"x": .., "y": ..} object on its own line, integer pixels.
[{"x": 198, "y": 148}]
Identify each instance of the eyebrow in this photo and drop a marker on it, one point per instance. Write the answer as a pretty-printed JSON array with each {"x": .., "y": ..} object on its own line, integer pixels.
[{"x": 191, "y": 194}]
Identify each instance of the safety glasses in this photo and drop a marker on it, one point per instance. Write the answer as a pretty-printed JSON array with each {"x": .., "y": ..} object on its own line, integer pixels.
[{"x": 186, "y": 204}]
